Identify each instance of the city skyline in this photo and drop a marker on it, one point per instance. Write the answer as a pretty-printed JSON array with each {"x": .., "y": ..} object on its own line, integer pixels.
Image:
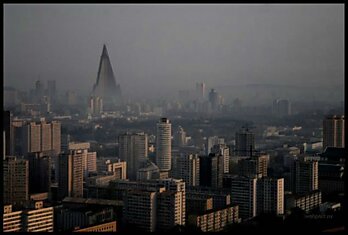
[
  {"x": 174, "y": 118},
  {"x": 157, "y": 50}
]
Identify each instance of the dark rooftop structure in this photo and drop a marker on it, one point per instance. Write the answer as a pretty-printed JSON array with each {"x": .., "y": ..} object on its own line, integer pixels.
[{"x": 333, "y": 154}]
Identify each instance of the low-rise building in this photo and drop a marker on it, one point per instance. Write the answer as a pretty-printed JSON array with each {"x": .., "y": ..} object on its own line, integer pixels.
[
  {"x": 100, "y": 180},
  {"x": 39, "y": 219},
  {"x": 215, "y": 220},
  {"x": 105, "y": 227},
  {"x": 12, "y": 220},
  {"x": 35, "y": 218},
  {"x": 306, "y": 202}
]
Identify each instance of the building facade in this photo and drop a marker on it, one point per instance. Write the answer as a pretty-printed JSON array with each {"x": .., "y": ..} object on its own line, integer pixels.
[
  {"x": 213, "y": 168},
  {"x": 305, "y": 176},
  {"x": 224, "y": 151},
  {"x": 71, "y": 174},
  {"x": 333, "y": 132},
  {"x": 243, "y": 191},
  {"x": 36, "y": 218},
  {"x": 270, "y": 196},
  {"x": 39, "y": 172},
  {"x": 306, "y": 202},
  {"x": 187, "y": 167},
  {"x": 133, "y": 148},
  {"x": 40, "y": 137},
  {"x": 245, "y": 142},
  {"x": 16, "y": 180},
  {"x": 12, "y": 220},
  {"x": 215, "y": 220}
]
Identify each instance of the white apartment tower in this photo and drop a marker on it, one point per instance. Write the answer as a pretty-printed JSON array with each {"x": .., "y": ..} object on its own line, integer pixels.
[{"x": 163, "y": 144}]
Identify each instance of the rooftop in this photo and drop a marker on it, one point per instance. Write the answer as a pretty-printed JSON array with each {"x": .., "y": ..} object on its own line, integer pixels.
[{"x": 103, "y": 202}]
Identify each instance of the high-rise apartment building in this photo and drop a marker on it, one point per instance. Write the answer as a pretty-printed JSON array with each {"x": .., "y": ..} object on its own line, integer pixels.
[
  {"x": 211, "y": 170},
  {"x": 31, "y": 138},
  {"x": 270, "y": 196},
  {"x": 90, "y": 163},
  {"x": 39, "y": 172},
  {"x": 186, "y": 167},
  {"x": 224, "y": 151},
  {"x": 56, "y": 137},
  {"x": 16, "y": 180},
  {"x": 305, "y": 176},
  {"x": 140, "y": 209},
  {"x": 89, "y": 159},
  {"x": 71, "y": 174},
  {"x": 153, "y": 205},
  {"x": 245, "y": 142},
  {"x": 256, "y": 166},
  {"x": 40, "y": 137},
  {"x": 169, "y": 210},
  {"x": 16, "y": 137},
  {"x": 333, "y": 132},
  {"x": 46, "y": 136},
  {"x": 164, "y": 144},
  {"x": 243, "y": 190},
  {"x": 133, "y": 148}
]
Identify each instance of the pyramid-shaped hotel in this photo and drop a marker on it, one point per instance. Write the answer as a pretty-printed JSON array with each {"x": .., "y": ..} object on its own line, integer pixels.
[{"x": 106, "y": 86}]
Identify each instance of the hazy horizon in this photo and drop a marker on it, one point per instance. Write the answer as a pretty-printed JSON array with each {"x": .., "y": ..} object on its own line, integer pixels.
[{"x": 157, "y": 50}]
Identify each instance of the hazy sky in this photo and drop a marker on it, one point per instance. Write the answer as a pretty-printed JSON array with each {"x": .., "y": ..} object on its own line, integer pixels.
[{"x": 171, "y": 47}]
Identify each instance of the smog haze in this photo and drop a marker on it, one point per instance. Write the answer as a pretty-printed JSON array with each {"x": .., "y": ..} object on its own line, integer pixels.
[{"x": 157, "y": 50}]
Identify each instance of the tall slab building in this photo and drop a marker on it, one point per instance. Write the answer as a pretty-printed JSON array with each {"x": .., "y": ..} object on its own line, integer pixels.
[
  {"x": 333, "y": 132},
  {"x": 16, "y": 182},
  {"x": 133, "y": 149},
  {"x": 71, "y": 174},
  {"x": 106, "y": 86}
]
